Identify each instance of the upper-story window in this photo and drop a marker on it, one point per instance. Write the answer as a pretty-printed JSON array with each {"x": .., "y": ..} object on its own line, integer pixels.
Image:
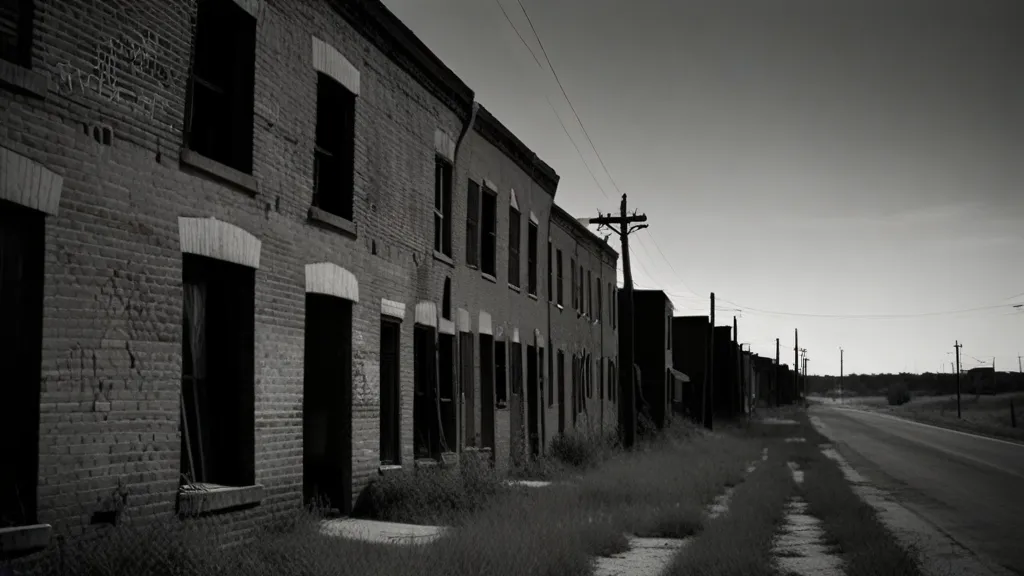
[
  {"x": 473, "y": 224},
  {"x": 16, "y": 31},
  {"x": 551, "y": 274},
  {"x": 572, "y": 285},
  {"x": 600, "y": 300},
  {"x": 590, "y": 294},
  {"x": 489, "y": 232},
  {"x": 514, "y": 240},
  {"x": 334, "y": 153},
  {"x": 531, "y": 258},
  {"x": 561, "y": 280},
  {"x": 442, "y": 206},
  {"x": 219, "y": 115}
]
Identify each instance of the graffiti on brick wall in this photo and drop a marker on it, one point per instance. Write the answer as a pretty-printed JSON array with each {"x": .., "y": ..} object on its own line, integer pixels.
[{"x": 121, "y": 67}]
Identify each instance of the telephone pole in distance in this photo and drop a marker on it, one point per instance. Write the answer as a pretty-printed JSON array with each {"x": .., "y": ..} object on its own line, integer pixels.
[
  {"x": 958, "y": 346},
  {"x": 624, "y": 224}
]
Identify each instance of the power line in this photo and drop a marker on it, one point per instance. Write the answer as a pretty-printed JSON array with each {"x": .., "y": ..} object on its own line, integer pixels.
[
  {"x": 562, "y": 88},
  {"x": 864, "y": 316},
  {"x": 516, "y": 30},
  {"x": 550, "y": 105}
]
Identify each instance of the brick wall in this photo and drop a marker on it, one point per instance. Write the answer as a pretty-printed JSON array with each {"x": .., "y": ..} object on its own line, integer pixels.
[
  {"x": 510, "y": 309},
  {"x": 577, "y": 334},
  {"x": 112, "y": 320}
]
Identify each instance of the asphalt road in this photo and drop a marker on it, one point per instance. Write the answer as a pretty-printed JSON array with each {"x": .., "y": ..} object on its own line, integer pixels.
[{"x": 971, "y": 488}]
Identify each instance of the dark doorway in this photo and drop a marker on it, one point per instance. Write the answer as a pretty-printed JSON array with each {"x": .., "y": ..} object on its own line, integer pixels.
[
  {"x": 532, "y": 395},
  {"x": 21, "y": 323},
  {"x": 500, "y": 374},
  {"x": 467, "y": 359},
  {"x": 390, "y": 395},
  {"x": 327, "y": 403},
  {"x": 487, "y": 392},
  {"x": 426, "y": 441},
  {"x": 561, "y": 391},
  {"x": 448, "y": 392}
]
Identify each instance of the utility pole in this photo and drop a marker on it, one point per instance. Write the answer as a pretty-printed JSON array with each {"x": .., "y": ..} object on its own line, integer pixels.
[
  {"x": 796, "y": 361},
  {"x": 775, "y": 380},
  {"x": 709, "y": 390},
  {"x": 958, "y": 345},
  {"x": 1019, "y": 369},
  {"x": 627, "y": 377},
  {"x": 840, "y": 374}
]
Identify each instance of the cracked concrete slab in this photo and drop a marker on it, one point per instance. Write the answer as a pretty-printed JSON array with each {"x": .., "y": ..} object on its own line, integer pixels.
[{"x": 381, "y": 532}]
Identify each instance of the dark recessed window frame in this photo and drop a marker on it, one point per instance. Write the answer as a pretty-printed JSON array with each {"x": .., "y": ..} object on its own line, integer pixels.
[{"x": 220, "y": 101}]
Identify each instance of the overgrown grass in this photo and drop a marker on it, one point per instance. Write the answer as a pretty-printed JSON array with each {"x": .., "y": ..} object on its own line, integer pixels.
[
  {"x": 865, "y": 544},
  {"x": 435, "y": 496},
  {"x": 740, "y": 541},
  {"x": 659, "y": 489}
]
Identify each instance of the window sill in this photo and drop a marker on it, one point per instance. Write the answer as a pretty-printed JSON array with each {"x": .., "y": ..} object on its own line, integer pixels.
[
  {"x": 220, "y": 171},
  {"x": 197, "y": 499},
  {"x": 23, "y": 540},
  {"x": 442, "y": 257},
  {"x": 560, "y": 307},
  {"x": 514, "y": 287},
  {"x": 489, "y": 277},
  {"x": 532, "y": 296},
  {"x": 18, "y": 78},
  {"x": 472, "y": 266},
  {"x": 333, "y": 221},
  {"x": 426, "y": 463},
  {"x": 389, "y": 469}
]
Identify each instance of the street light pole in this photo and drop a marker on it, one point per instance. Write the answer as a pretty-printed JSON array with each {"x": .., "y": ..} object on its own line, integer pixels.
[{"x": 840, "y": 374}]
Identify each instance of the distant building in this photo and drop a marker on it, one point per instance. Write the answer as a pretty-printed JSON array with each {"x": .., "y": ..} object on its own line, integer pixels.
[
  {"x": 653, "y": 352},
  {"x": 691, "y": 335}
]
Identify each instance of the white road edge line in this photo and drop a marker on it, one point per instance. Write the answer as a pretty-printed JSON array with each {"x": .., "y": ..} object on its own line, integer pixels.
[{"x": 891, "y": 417}]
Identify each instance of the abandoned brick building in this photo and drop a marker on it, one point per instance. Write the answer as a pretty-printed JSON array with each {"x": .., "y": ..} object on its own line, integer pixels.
[{"x": 253, "y": 252}]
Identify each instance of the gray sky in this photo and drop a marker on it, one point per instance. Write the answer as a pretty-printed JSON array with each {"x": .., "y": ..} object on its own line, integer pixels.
[{"x": 801, "y": 157}]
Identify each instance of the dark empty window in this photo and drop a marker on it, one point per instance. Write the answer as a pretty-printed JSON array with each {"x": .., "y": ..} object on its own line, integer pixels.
[
  {"x": 217, "y": 388},
  {"x": 21, "y": 323},
  {"x": 668, "y": 333},
  {"x": 551, "y": 377},
  {"x": 446, "y": 299},
  {"x": 219, "y": 118},
  {"x": 425, "y": 425},
  {"x": 516, "y": 365},
  {"x": 390, "y": 394},
  {"x": 500, "y": 375},
  {"x": 560, "y": 377},
  {"x": 581, "y": 284},
  {"x": 442, "y": 206},
  {"x": 334, "y": 150},
  {"x": 561, "y": 280},
  {"x": 575, "y": 293},
  {"x": 514, "y": 239},
  {"x": 551, "y": 275},
  {"x": 531, "y": 259},
  {"x": 16, "y": 31},
  {"x": 489, "y": 232},
  {"x": 600, "y": 300},
  {"x": 473, "y": 224},
  {"x": 590, "y": 294}
]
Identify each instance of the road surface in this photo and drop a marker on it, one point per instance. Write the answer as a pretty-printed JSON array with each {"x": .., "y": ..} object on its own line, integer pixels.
[{"x": 970, "y": 487}]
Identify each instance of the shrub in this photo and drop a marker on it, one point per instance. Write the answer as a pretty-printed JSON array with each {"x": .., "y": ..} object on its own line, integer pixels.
[
  {"x": 430, "y": 496},
  {"x": 898, "y": 394},
  {"x": 582, "y": 448}
]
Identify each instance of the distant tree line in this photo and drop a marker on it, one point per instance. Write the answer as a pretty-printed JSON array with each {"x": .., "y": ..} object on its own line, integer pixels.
[{"x": 978, "y": 381}]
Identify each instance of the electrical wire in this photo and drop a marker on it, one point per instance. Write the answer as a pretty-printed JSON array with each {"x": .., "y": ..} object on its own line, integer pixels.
[{"x": 863, "y": 316}]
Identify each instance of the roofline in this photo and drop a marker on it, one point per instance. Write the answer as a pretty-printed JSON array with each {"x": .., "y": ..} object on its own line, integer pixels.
[
  {"x": 577, "y": 226},
  {"x": 503, "y": 139},
  {"x": 373, "y": 20}
]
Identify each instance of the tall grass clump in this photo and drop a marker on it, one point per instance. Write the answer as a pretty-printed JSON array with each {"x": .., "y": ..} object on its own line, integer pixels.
[{"x": 430, "y": 496}]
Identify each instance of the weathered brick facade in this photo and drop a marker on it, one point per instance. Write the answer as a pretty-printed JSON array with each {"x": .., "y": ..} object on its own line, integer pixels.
[
  {"x": 586, "y": 330},
  {"x": 91, "y": 134}
]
